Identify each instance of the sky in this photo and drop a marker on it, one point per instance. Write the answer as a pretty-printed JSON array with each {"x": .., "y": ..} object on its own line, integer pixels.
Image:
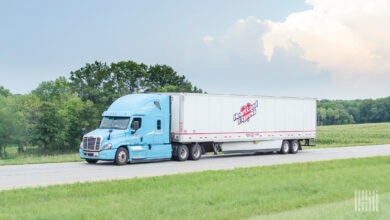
[{"x": 327, "y": 49}]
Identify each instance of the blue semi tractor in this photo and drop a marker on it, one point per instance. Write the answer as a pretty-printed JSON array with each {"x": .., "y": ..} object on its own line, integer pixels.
[{"x": 181, "y": 126}]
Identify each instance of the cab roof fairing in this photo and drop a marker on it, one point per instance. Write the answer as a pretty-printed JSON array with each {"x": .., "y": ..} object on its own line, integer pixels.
[{"x": 134, "y": 104}]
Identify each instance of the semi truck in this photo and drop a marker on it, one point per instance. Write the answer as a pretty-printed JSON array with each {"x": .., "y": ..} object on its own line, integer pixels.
[{"x": 181, "y": 126}]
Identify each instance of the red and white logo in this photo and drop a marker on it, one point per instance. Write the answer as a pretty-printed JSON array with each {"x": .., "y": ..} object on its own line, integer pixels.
[{"x": 246, "y": 113}]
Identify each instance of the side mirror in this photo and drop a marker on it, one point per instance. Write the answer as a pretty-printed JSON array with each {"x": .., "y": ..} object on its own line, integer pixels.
[{"x": 83, "y": 131}]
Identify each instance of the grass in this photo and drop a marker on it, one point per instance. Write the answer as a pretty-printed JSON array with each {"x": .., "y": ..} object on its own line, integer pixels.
[
  {"x": 353, "y": 135},
  {"x": 237, "y": 194},
  {"x": 339, "y": 210},
  {"x": 34, "y": 155},
  {"x": 33, "y": 159}
]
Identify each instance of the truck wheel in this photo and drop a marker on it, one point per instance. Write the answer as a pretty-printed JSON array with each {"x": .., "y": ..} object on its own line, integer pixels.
[
  {"x": 195, "y": 152},
  {"x": 92, "y": 161},
  {"x": 121, "y": 156},
  {"x": 182, "y": 153},
  {"x": 285, "y": 147},
  {"x": 294, "y": 147}
]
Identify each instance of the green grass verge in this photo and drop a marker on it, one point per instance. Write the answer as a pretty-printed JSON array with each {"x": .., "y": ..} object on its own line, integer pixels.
[
  {"x": 32, "y": 159},
  {"x": 335, "y": 210},
  {"x": 353, "y": 135},
  {"x": 236, "y": 194}
]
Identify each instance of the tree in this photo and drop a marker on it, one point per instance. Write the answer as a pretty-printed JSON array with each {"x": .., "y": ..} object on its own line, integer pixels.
[
  {"x": 4, "y": 92},
  {"x": 54, "y": 91},
  {"x": 75, "y": 115},
  {"x": 12, "y": 123},
  {"x": 164, "y": 78},
  {"x": 49, "y": 128},
  {"x": 89, "y": 82},
  {"x": 128, "y": 77},
  {"x": 28, "y": 106}
]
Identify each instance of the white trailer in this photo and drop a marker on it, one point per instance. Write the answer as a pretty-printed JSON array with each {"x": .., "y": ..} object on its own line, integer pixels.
[
  {"x": 236, "y": 123},
  {"x": 183, "y": 126}
]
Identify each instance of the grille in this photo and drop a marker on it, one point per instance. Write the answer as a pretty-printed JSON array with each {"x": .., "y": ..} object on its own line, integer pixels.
[{"x": 91, "y": 143}]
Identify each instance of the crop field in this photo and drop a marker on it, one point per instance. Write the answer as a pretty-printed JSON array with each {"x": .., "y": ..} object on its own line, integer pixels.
[
  {"x": 305, "y": 190},
  {"x": 353, "y": 135}
]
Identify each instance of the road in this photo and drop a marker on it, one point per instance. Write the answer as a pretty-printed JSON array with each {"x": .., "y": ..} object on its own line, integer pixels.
[{"x": 21, "y": 176}]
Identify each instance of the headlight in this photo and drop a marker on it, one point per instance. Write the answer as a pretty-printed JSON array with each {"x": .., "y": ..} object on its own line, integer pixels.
[
  {"x": 81, "y": 145},
  {"x": 107, "y": 146}
]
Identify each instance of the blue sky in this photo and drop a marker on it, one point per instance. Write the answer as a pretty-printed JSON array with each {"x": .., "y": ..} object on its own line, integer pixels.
[{"x": 317, "y": 48}]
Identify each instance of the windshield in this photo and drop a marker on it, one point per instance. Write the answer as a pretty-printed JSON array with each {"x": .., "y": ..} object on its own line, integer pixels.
[{"x": 114, "y": 123}]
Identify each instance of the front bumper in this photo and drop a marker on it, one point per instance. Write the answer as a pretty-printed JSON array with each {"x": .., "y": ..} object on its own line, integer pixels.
[{"x": 98, "y": 155}]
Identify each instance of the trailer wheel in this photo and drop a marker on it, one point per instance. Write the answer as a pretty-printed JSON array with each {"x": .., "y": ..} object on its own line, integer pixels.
[
  {"x": 195, "y": 152},
  {"x": 285, "y": 147},
  {"x": 182, "y": 153},
  {"x": 294, "y": 147},
  {"x": 91, "y": 161},
  {"x": 121, "y": 156}
]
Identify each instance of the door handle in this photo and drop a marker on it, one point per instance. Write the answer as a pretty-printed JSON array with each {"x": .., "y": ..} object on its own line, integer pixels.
[{"x": 150, "y": 147}]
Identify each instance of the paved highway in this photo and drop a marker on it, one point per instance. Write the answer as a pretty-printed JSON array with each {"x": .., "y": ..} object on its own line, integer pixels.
[{"x": 21, "y": 176}]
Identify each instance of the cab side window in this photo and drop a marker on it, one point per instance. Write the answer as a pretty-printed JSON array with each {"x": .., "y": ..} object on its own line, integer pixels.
[
  {"x": 136, "y": 124},
  {"x": 158, "y": 124}
]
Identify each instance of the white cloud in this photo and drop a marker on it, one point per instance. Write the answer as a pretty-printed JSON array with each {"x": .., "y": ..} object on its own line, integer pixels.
[
  {"x": 241, "y": 41},
  {"x": 349, "y": 38}
]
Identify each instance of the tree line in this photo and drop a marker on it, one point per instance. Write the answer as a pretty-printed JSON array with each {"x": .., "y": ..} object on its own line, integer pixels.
[
  {"x": 339, "y": 112},
  {"x": 52, "y": 115}
]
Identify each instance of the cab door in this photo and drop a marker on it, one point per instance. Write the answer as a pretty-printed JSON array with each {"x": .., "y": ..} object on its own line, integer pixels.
[
  {"x": 160, "y": 149},
  {"x": 137, "y": 150}
]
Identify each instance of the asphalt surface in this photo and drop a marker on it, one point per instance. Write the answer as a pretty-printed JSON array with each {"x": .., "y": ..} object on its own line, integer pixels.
[{"x": 21, "y": 176}]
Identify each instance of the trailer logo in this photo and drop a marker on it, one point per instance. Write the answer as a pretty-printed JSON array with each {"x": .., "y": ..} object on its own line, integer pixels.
[{"x": 246, "y": 113}]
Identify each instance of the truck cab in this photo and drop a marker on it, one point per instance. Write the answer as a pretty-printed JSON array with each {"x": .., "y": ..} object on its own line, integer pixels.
[{"x": 134, "y": 128}]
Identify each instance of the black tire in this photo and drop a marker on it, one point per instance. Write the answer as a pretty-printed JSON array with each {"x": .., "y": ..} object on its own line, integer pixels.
[
  {"x": 91, "y": 161},
  {"x": 284, "y": 149},
  {"x": 195, "y": 152},
  {"x": 121, "y": 156},
  {"x": 294, "y": 147},
  {"x": 182, "y": 153}
]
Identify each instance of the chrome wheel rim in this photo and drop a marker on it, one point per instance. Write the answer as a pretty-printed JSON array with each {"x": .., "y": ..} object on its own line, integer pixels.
[
  {"x": 183, "y": 153},
  {"x": 295, "y": 146},
  {"x": 196, "y": 152},
  {"x": 122, "y": 156},
  {"x": 285, "y": 147}
]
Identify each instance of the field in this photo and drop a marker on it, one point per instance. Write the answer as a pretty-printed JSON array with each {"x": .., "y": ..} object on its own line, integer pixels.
[
  {"x": 299, "y": 191},
  {"x": 328, "y": 136},
  {"x": 353, "y": 135}
]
